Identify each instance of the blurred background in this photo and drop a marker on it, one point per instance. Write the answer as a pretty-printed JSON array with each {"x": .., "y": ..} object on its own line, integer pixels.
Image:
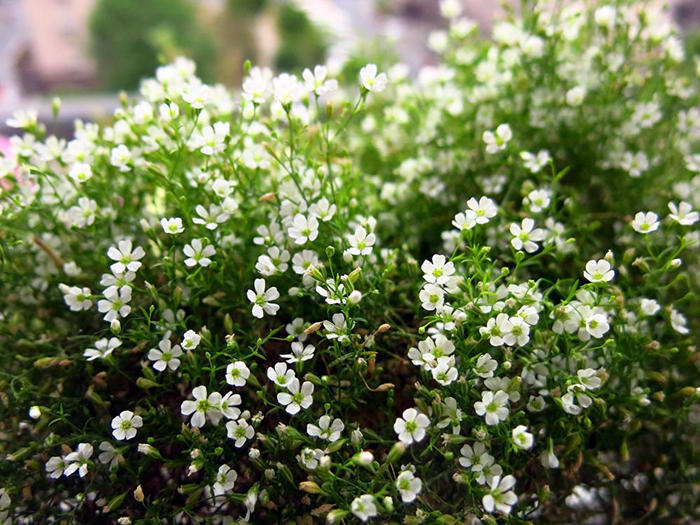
[{"x": 86, "y": 51}]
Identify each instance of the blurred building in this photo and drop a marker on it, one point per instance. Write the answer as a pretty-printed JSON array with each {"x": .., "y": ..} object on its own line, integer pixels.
[{"x": 50, "y": 44}]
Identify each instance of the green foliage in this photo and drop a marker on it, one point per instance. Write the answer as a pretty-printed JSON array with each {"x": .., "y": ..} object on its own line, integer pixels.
[
  {"x": 466, "y": 296},
  {"x": 301, "y": 42},
  {"x": 130, "y": 39}
]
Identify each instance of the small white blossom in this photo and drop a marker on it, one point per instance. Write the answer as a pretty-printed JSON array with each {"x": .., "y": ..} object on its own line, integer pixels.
[
  {"x": 297, "y": 397},
  {"x": 411, "y": 427},
  {"x": 237, "y": 373},
  {"x": 125, "y": 425},
  {"x": 598, "y": 271},
  {"x": 408, "y": 486},
  {"x": 172, "y": 225},
  {"x": 262, "y": 299},
  {"x": 498, "y": 140},
  {"x": 493, "y": 406},
  {"x": 645, "y": 222},
  {"x": 198, "y": 254},
  {"x": 364, "y": 507},
  {"x": 370, "y": 80},
  {"x": 522, "y": 438}
]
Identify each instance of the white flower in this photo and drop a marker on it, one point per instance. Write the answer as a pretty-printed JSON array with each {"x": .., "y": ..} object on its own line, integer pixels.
[
  {"x": 444, "y": 373},
  {"x": 303, "y": 229},
  {"x": 55, "y": 466},
  {"x": 78, "y": 460},
  {"x": 337, "y": 328},
  {"x": 323, "y": 210},
  {"x": 519, "y": 333},
  {"x": 210, "y": 140},
  {"x": 498, "y": 330},
  {"x": 191, "y": 340},
  {"x": 361, "y": 242},
  {"x": 209, "y": 218},
  {"x": 484, "y": 209},
  {"x": 494, "y": 407},
  {"x": 682, "y": 213},
  {"x": 522, "y": 438},
  {"x": 634, "y": 163},
  {"x": 311, "y": 457},
  {"x": 237, "y": 373},
  {"x": 485, "y": 366},
  {"x": 125, "y": 425},
  {"x": 450, "y": 8},
  {"x": 548, "y": 459},
  {"x": 76, "y": 298},
  {"x": 476, "y": 458},
  {"x": 438, "y": 271},
  {"x": 202, "y": 407},
  {"x": 412, "y": 426},
  {"x": 240, "y": 431},
  {"x": 588, "y": 378},
  {"x": 535, "y": 163},
  {"x": 165, "y": 356},
  {"x": 281, "y": 375},
  {"x": 225, "y": 479},
  {"x": 498, "y": 140},
  {"x": 575, "y": 96},
  {"x": 22, "y": 119},
  {"x": 228, "y": 406},
  {"x": 197, "y": 253},
  {"x": 500, "y": 497},
  {"x": 369, "y": 79},
  {"x": 172, "y": 225},
  {"x": 196, "y": 94},
  {"x": 110, "y": 455},
  {"x": 408, "y": 486},
  {"x": 649, "y": 306},
  {"x": 432, "y": 297},
  {"x": 464, "y": 221},
  {"x": 538, "y": 200},
  {"x": 363, "y": 507},
  {"x": 262, "y": 299},
  {"x": 297, "y": 328},
  {"x": 679, "y": 322},
  {"x": 127, "y": 259},
  {"x": 103, "y": 348},
  {"x": 298, "y": 397},
  {"x": 569, "y": 399},
  {"x": 318, "y": 82},
  {"x": 80, "y": 172},
  {"x": 115, "y": 304},
  {"x": 598, "y": 271},
  {"x": 596, "y": 324},
  {"x": 121, "y": 157},
  {"x": 299, "y": 353},
  {"x": 605, "y": 15},
  {"x": 645, "y": 222},
  {"x": 526, "y": 236},
  {"x": 330, "y": 431}
]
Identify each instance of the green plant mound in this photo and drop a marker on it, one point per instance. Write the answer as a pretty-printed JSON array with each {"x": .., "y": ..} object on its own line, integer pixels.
[{"x": 469, "y": 297}]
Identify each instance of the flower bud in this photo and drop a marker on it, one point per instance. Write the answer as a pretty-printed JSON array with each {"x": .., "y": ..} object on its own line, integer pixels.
[
  {"x": 397, "y": 450},
  {"x": 310, "y": 487},
  {"x": 336, "y": 516},
  {"x": 364, "y": 458},
  {"x": 355, "y": 297},
  {"x": 356, "y": 437}
]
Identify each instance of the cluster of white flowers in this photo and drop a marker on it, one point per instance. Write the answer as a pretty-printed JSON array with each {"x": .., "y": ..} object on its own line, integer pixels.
[{"x": 312, "y": 284}]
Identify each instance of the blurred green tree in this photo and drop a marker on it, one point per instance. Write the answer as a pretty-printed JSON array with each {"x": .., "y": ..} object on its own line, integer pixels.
[
  {"x": 301, "y": 42},
  {"x": 129, "y": 39}
]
